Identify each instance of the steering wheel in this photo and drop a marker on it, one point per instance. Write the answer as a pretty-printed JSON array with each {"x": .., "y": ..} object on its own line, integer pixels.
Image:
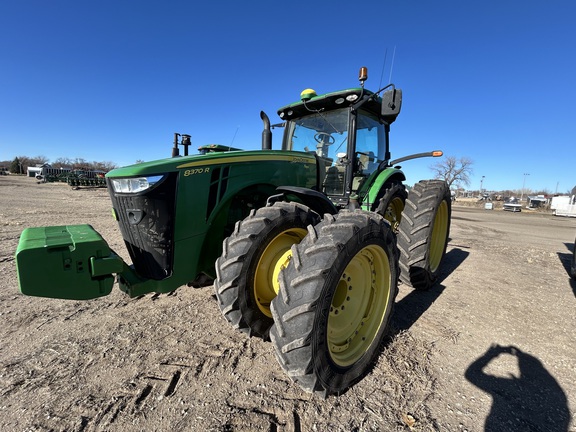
[{"x": 319, "y": 137}]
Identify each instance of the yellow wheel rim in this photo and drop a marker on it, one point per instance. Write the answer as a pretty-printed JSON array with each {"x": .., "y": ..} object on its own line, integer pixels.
[
  {"x": 438, "y": 239},
  {"x": 359, "y": 305},
  {"x": 274, "y": 259},
  {"x": 393, "y": 212}
]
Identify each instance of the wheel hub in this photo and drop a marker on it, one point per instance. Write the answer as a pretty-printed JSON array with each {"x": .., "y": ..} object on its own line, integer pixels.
[
  {"x": 393, "y": 213},
  {"x": 438, "y": 238},
  {"x": 358, "y": 305},
  {"x": 274, "y": 259}
]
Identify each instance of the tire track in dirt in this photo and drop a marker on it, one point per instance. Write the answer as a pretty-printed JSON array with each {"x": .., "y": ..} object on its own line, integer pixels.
[{"x": 142, "y": 394}]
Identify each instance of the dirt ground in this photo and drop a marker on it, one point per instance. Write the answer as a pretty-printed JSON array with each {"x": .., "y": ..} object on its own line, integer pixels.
[{"x": 490, "y": 348}]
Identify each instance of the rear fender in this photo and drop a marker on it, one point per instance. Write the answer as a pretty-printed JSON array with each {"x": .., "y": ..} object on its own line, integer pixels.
[{"x": 372, "y": 191}]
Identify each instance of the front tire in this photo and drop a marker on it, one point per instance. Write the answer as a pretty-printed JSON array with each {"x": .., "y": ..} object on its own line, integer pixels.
[
  {"x": 423, "y": 233},
  {"x": 252, "y": 257},
  {"x": 335, "y": 301}
]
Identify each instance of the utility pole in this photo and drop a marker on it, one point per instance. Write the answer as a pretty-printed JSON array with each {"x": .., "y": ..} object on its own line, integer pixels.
[{"x": 523, "y": 184}]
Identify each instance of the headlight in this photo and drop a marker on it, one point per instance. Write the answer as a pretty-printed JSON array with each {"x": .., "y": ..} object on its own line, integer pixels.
[{"x": 134, "y": 184}]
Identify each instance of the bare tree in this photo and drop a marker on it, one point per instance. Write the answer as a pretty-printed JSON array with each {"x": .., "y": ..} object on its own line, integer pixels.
[
  {"x": 453, "y": 170},
  {"x": 79, "y": 163},
  {"x": 21, "y": 163},
  {"x": 62, "y": 162},
  {"x": 24, "y": 164},
  {"x": 36, "y": 161},
  {"x": 103, "y": 166}
]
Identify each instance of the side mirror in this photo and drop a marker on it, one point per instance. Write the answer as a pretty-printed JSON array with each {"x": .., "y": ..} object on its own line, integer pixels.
[{"x": 391, "y": 104}]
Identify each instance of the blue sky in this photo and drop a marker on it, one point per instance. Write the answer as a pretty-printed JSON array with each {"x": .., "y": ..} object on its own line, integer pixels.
[{"x": 106, "y": 80}]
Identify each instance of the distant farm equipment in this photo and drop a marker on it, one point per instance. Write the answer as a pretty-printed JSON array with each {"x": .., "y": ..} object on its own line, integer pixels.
[{"x": 74, "y": 178}]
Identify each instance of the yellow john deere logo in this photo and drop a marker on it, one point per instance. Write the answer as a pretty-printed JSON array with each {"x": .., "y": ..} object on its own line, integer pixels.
[{"x": 253, "y": 158}]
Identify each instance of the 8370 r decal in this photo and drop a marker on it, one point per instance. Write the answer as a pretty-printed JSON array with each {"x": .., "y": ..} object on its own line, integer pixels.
[{"x": 195, "y": 171}]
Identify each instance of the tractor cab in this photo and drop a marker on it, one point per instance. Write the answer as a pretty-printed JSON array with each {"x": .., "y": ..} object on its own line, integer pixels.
[{"x": 347, "y": 131}]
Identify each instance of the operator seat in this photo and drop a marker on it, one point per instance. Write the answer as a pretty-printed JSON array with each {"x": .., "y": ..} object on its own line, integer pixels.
[{"x": 334, "y": 181}]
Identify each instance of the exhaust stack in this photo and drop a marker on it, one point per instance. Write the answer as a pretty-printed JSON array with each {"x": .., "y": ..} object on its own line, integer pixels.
[
  {"x": 175, "y": 150},
  {"x": 266, "y": 133}
]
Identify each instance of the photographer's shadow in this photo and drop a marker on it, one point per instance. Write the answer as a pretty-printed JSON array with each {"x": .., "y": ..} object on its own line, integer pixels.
[{"x": 533, "y": 401}]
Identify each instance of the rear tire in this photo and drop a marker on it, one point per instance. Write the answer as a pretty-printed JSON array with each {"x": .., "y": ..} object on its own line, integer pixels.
[
  {"x": 423, "y": 233},
  {"x": 392, "y": 203},
  {"x": 335, "y": 301},
  {"x": 252, "y": 257}
]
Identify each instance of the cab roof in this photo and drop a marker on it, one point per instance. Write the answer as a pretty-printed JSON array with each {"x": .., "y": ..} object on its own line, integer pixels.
[{"x": 331, "y": 101}]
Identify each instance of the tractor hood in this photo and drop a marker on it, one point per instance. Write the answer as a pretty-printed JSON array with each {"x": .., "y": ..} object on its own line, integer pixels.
[{"x": 207, "y": 160}]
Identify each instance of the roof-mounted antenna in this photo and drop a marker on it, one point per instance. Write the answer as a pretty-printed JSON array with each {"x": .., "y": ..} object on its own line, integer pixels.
[
  {"x": 392, "y": 65},
  {"x": 383, "y": 66},
  {"x": 233, "y": 138}
]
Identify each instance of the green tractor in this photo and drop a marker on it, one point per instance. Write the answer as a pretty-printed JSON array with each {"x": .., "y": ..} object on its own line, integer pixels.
[{"x": 304, "y": 245}]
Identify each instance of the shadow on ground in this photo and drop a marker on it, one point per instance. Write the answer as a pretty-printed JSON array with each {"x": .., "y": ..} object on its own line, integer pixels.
[
  {"x": 532, "y": 401},
  {"x": 566, "y": 259}
]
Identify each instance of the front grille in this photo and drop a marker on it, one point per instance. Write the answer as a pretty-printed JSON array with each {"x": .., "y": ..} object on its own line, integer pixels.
[{"x": 147, "y": 224}]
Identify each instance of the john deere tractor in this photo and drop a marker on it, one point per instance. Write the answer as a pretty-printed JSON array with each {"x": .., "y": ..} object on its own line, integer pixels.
[{"x": 304, "y": 245}]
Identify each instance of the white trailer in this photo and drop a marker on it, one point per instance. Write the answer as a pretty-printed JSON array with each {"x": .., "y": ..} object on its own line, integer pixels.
[{"x": 564, "y": 206}]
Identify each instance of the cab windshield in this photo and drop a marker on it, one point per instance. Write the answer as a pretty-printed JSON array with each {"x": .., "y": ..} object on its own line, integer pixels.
[{"x": 326, "y": 135}]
